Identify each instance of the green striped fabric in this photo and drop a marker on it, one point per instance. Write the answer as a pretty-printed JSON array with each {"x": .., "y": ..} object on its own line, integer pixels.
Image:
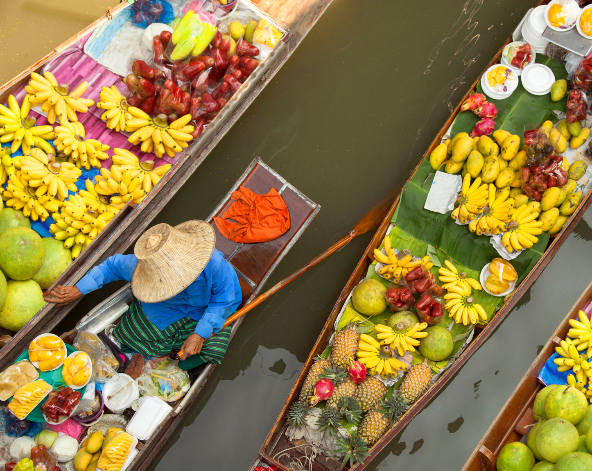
[{"x": 140, "y": 335}]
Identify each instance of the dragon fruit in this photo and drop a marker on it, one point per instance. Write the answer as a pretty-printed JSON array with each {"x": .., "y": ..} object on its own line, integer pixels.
[
  {"x": 473, "y": 102},
  {"x": 322, "y": 391},
  {"x": 483, "y": 127},
  {"x": 357, "y": 372},
  {"x": 486, "y": 110}
]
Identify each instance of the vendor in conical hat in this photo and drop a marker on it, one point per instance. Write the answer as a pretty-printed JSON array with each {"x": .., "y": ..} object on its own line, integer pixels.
[{"x": 184, "y": 290}]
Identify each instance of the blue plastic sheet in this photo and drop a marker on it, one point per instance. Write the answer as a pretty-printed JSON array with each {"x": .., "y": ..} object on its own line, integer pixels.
[
  {"x": 146, "y": 12},
  {"x": 549, "y": 374}
]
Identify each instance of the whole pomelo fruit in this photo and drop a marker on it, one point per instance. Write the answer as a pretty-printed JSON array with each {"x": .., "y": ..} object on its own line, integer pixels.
[
  {"x": 538, "y": 408},
  {"x": 3, "y": 289},
  {"x": 437, "y": 345},
  {"x": 23, "y": 300},
  {"x": 543, "y": 466},
  {"x": 21, "y": 253},
  {"x": 515, "y": 457},
  {"x": 584, "y": 425},
  {"x": 368, "y": 297},
  {"x": 556, "y": 438},
  {"x": 589, "y": 439},
  {"x": 582, "y": 445},
  {"x": 574, "y": 462},
  {"x": 406, "y": 317},
  {"x": 531, "y": 440},
  {"x": 57, "y": 259},
  {"x": 566, "y": 402},
  {"x": 12, "y": 218}
]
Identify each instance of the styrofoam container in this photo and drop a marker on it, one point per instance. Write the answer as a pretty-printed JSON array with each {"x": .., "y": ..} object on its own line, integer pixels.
[
  {"x": 566, "y": 27},
  {"x": 536, "y": 20},
  {"x": 578, "y": 22},
  {"x": 534, "y": 39},
  {"x": 538, "y": 79},
  {"x": 148, "y": 417},
  {"x": 121, "y": 400},
  {"x": 511, "y": 85},
  {"x": 485, "y": 274}
]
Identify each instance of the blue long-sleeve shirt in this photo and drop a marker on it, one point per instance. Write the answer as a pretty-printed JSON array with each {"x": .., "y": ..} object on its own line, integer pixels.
[{"x": 210, "y": 299}]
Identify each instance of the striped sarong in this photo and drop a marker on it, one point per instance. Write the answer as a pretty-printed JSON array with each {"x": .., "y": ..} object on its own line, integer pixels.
[{"x": 138, "y": 333}]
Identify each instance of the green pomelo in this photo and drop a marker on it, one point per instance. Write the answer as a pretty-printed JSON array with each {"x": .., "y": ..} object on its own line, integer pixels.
[
  {"x": 566, "y": 402},
  {"x": 589, "y": 439},
  {"x": 531, "y": 440},
  {"x": 584, "y": 425},
  {"x": 437, "y": 345},
  {"x": 57, "y": 259},
  {"x": 406, "y": 317},
  {"x": 23, "y": 301},
  {"x": 3, "y": 289},
  {"x": 515, "y": 457},
  {"x": 574, "y": 462},
  {"x": 21, "y": 253},
  {"x": 582, "y": 448},
  {"x": 368, "y": 297},
  {"x": 11, "y": 218},
  {"x": 539, "y": 402},
  {"x": 543, "y": 466},
  {"x": 556, "y": 438}
]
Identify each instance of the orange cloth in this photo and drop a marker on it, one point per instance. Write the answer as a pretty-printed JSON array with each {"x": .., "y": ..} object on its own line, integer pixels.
[{"x": 259, "y": 218}]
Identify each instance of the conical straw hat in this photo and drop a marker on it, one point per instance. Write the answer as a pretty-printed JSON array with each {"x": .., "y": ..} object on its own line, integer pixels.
[{"x": 170, "y": 259}]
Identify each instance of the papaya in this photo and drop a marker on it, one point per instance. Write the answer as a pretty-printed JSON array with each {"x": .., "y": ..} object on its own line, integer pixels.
[
  {"x": 500, "y": 136},
  {"x": 549, "y": 199},
  {"x": 558, "y": 141},
  {"x": 520, "y": 200},
  {"x": 558, "y": 224},
  {"x": 574, "y": 128},
  {"x": 453, "y": 167},
  {"x": 577, "y": 170},
  {"x": 570, "y": 186},
  {"x": 515, "y": 192},
  {"x": 438, "y": 156},
  {"x": 510, "y": 147},
  {"x": 571, "y": 203},
  {"x": 518, "y": 161},
  {"x": 562, "y": 128},
  {"x": 474, "y": 163},
  {"x": 558, "y": 90},
  {"x": 548, "y": 218},
  {"x": 461, "y": 149},
  {"x": 485, "y": 146},
  {"x": 582, "y": 137},
  {"x": 490, "y": 170},
  {"x": 561, "y": 199},
  {"x": 505, "y": 177}
]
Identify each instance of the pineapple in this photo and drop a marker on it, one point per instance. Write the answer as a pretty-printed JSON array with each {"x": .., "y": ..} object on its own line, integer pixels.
[
  {"x": 329, "y": 420},
  {"x": 369, "y": 392},
  {"x": 345, "y": 346},
  {"x": 378, "y": 420},
  {"x": 334, "y": 374},
  {"x": 354, "y": 448},
  {"x": 350, "y": 410},
  {"x": 297, "y": 414},
  {"x": 416, "y": 382},
  {"x": 347, "y": 388},
  {"x": 313, "y": 378}
]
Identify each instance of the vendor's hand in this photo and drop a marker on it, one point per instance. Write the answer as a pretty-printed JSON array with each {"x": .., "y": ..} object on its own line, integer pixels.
[
  {"x": 191, "y": 346},
  {"x": 62, "y": 295}
]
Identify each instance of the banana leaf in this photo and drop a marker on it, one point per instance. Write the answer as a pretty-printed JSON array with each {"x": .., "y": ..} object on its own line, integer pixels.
[{"x": 521, "y": 110}]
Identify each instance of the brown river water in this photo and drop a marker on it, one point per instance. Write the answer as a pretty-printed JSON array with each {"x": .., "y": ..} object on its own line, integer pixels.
[{"x": 345, "y": 120}]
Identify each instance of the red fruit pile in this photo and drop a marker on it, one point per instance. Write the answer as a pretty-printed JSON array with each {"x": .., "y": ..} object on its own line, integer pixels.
[
  {"x": 60, "y": 403},
  {"x": 536, "y": 178},
  {"x": 583, "y": 76},
  {"x": 201, "y": 86},
  {"x": 429, "y": 310},
  {"x": 576, "y": 107},
  {"x": 421, "y": 281},
  {"x": 399, "y": 298}
]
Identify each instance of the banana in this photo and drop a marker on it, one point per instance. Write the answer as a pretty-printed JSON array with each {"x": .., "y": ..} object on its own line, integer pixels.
[
  {"x": 83, "y": 153},
  {"x": 453, "y": 279},
  {"x": 522, "y": 230},
  {"x": 471, "y": 201},
  {"x": 461, "y": 305},
  {"x": 19, "y": 196}
]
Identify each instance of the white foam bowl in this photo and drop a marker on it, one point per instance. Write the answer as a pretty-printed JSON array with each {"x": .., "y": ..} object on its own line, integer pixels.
[
  {"x": 578, "y": 22},
  {"x": 535, "y": 40},
  {"x": 546, "y": 17},
  {"x": 538, "y": 79},
  {"x": 518, "y": 70},
  {"x": 536, "y": 20}
]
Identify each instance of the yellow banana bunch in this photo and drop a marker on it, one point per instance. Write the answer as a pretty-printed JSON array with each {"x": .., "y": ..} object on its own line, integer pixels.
[
  {"x": 96, "y": 202},
  {"x": 83, "y": 152},
  {"x": 581, "y": 333},
  {"x": 6, "y": 165},
  {"x": 471, "y": 201},
  {"x": 451, "y": 277},
  {"x": 77, "y": 225},
  {"x": 522, "y": 230},
  {"x": 401, "y": 338},
  {"x": 19, "y": 128},
  {"x": 461, "y": 306},
  {"x": 55, "y": 99},
  {"x": 46, "y": 175},
  {"x": 120, "y": 186},
  {"x": 115, "y": 105},
  {"x": 572, "y": 360},
  {"x": 394, "y": 269},
  {"x": 149, "y": 175},
  {"x": 496, "y": 215},
  {"x": 377, "y": 358},
  {"x": 18, "y": 195},
  {"x": 156, "y": 135}
]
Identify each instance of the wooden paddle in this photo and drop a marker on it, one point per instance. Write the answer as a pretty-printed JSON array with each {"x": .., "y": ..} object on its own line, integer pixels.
[{"x": 370, "y": 221}]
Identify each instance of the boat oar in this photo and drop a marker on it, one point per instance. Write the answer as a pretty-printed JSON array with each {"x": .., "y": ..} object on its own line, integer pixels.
[{"x": 370, "y": 221}]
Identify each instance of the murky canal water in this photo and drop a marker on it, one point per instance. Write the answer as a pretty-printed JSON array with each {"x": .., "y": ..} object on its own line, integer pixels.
[{"x": 345, "y": 121}]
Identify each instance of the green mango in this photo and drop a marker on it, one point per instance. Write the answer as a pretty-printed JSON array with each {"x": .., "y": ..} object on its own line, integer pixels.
[{"x": 558, "y": 90}]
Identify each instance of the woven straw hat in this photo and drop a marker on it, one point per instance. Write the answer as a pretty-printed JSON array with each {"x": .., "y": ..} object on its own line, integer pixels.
[{"x": 170, "y": 259}]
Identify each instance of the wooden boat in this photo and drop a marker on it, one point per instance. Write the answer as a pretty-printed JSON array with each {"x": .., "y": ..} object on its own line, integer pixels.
[
  {"x": 276, "y": 440},
  {"x": 254, "y": 263},
  {"x": 296, "y": 18},
  {"x": 516, "y": 417}
]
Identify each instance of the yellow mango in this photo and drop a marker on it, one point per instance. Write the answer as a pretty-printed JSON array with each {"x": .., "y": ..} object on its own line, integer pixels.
[
  {"x": 456, "y": 138},
  {"x": 500, "y": 136},
  {"x": 490, "y": 170},
  {"x": 438, "y": 156},
  {"x": 562, "y": 128},
  {"x": 80, "y": 378},
  {"x": 81, "y": 460},
  {"x": 510, "y": 147},
  {"x": 50, "y": 342},
  {"x": 495, "y": 150},
  {"x": 548, "y": 218},
  {"x": 558, "y": 224},
  {"x": 485, "y": 146},
  {"x": 518, "y": 161},
  {"x": 535, "y": 205},
  {"x": 93, "y": 465},
  {"x": 453, "y": 167},
  {"x": 562, "y": 196},
  {"x": 475, "y": 141},
  {"x": 574, "y": 128},
  {"x": 505, "y": 177},
  {"x": 84, "y": 442},
  {"x": 558, "y": 141},
  {"x": 515, "y": 192},
  {"x": 502, "y": 163},
  {"x": 570, "y": 186},
  {"x": 558, "y": 90},
  {"x": 571, "y": 203},
  {"x": 549, "y": 199},
  {"x": 461, "y": 149},
  {"x": 577, "y": 170},
  {"x": 517, "y": 183},
  {"x": 579, "y": 140},
  {"x": 95, "y": 442},
  {"x": 496, "y": 286},
  {"x": 474, "y": 163},
  {"x": 520, "y": 200},
  {"x": 502, "y": 269},
  {"x": 546, "y": 127},
  {"x": 565, "y": 164}
]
